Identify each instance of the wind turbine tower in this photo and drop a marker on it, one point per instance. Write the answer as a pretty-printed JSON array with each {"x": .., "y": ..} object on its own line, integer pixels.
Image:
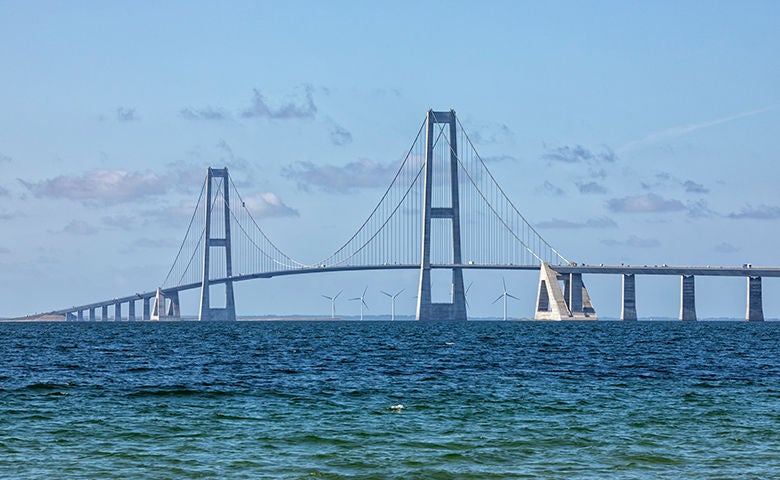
[
  {"x": 362, "y": 299},
  {"x": 505, "y": 295},
  {"x": 392, "y": 302},
  {"x": 333, "y": 304}
]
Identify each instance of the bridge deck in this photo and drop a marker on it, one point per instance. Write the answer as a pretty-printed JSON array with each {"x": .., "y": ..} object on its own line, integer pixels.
[{"x": 718, "y": 271}]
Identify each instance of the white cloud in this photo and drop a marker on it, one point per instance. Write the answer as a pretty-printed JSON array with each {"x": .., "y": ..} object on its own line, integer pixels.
[
  {"x": 100, "y": 186},
  {"x": 648, "y": 203},
  {"x": 343, "y": 179},
  {"x": 268, "y": 204}
]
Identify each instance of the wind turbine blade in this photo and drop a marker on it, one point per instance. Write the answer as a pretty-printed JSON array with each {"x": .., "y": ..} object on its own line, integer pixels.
[
  {"x": 356, "y": 298},
  {"x": 400, "y": 291},
  {"x": 503, "y": 280},
  {"x": 329, "y": 298},
  {"x": 386, "y": 293},
  {"x": 364, "y": 292},
  {"x": 468, "y": 288},
  {"x": 337, "y": 295},
  {"x": 499, "y": 298},
  {"x": 364, "y": 304},
  {"x": 512, "y": 296}
]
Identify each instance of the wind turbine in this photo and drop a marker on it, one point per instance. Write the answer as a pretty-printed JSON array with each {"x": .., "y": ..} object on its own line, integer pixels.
[
  {"x": 362, "y": 299},
  {"x": 392, "y": 302},
  {"x": 333, "y": 304},
  {"x": 505, "y": 295}
]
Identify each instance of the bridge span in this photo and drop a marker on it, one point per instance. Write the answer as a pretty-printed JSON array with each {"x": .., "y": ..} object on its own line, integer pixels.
[
  {"x": 753, "y": 275},
  {"x": 443, "y": 210}
]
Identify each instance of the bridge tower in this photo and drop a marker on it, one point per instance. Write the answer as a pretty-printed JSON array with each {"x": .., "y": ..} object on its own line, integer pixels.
[
  {"x": 426, "y": 309},
  {"x": 207, "y": 313}
]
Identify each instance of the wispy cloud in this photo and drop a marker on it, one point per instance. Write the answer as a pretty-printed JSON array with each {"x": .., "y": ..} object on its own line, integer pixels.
[
  {"x": 205, "y": 113},
  {"x": 679, "y": 131},
  {"x": 100, "y": 186},
  {"x": 591, "y": 188},
  {"x": 699, "y": 209},
  {"x": 649, "y": 203},
  {"x": 693, "y": 187},
  {"x": 633, "y": 242},
  {"x": 120, "y": 221},
  {"x": 600, "y": 222},
  {"x": 142, "y": 244},
  {"x": 760, "y": 212},
  {"x": 489, "y": 134},
  {"x": 339, "y": 135},
  {"x": 725, "y": 247},
  {"x": 578, "y": 154},
  {"x": 5, "y": 158},
  {"x": 77, "y": 227},
  {"x": 4, "y": 192},
  {"x": 342, "y": 179},
  {"x": 125, "y": 114},
  {"x": 548, "y": 188},
  {"x": 8, "y": 215},
  {"x": 500, "y": 158},
  {"x": 289, "y": 109}
]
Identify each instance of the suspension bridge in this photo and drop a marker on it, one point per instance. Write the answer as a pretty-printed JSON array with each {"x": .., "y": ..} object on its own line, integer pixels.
[{"x": 442, "y": 210}]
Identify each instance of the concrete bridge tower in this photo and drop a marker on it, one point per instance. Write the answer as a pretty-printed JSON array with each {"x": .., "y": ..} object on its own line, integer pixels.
[
  {"x": 426, "y": 309},
  {"x": 228, "y": 313}
]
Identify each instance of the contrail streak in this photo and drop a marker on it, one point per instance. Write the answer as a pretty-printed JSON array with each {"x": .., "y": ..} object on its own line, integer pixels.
[{"x": 679, "y": 131}]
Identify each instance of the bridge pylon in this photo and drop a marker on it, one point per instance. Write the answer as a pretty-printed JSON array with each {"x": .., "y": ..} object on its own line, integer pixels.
[
  {"x": 206, "y": 312},
  {"x": 449, "y": 211}
]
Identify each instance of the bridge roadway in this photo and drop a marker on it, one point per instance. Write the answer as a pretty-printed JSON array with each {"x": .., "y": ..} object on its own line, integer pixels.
[{"x": 721, "y": 271}]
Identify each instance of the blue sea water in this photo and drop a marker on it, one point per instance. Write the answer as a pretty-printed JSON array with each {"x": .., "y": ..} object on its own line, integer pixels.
[{"x": 390, "y": 400}]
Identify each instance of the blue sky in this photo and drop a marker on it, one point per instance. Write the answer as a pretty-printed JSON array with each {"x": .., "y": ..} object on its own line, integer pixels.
[{"x": 635, "y": 132}]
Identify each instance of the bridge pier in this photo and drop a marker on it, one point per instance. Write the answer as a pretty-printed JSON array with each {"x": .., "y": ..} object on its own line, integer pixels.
[
  {"x": 147, "y": 309},
  {"x": 571, "y": 303},
  {"x": 92, "y": 314},
  {"x": 426, "y": 309},
  {"x": 104, "y": 313},
  {"x": 755, "y": 309},
  {"x": 117, "y": 312},
  {"x": 70, "y": 317},
  {"x": 628, "y": 303},
  {"x": 166, "y": 306},
  {"x": 174, "y": 309},
  {"x": 687, "y": 298},
  {"x": 131, "y": 311},
  {"x": 80, "y": 315}
]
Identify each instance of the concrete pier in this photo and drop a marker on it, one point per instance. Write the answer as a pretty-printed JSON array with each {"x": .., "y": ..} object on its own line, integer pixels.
[
  {"x": 574, "y": 293},
  {"x": 80, "y": 315},
  {"x": 628, "y": 303},
  {"x": 687, "y": 298},
  {"x": 571, "y": 303},
  {"x": 147, "y": 309},
  {"x": 131, "y": 311},
  {"x": 117, "y": 312},
  {"x": 174, "y": 309},
  {"x": 755, "y": 308},
  {"x": 92, "y": 315},
  {"x": 104, "y": 313}
]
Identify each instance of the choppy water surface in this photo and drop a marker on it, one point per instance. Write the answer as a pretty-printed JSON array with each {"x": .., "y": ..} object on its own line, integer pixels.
[{"x": 322, "y": 400}]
